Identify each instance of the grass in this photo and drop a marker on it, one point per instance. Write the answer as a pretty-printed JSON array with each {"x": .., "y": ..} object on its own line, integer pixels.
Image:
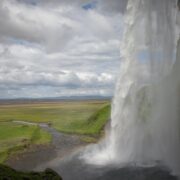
[
  {"x": 89, "y": 123},
  {"x": 15, "y": 138},
  {"x": 78, "y": 117},
  {"x": 47, "y": 112},
  {"x": 86, "y": 118}
]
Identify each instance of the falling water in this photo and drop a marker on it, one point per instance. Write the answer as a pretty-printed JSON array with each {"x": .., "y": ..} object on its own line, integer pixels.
[{"x": 145, "y": 128}]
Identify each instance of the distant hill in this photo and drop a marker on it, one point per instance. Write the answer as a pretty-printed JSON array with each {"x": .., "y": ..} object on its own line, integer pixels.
[{"x": 54, "y": 99}]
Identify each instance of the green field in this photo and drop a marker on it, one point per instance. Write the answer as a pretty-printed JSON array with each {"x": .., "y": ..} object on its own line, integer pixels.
[
  {"x": 86, "y": 118},
  {"x": 71, "y": 117},
  {"x": 16, "y": 137}
]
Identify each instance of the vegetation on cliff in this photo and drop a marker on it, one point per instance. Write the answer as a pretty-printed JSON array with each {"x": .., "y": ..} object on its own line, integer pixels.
[{"x": 7, "y": 173}]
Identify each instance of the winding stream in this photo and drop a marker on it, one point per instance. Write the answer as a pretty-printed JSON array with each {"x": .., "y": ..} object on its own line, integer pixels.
[{"x": 42, "y": 156}]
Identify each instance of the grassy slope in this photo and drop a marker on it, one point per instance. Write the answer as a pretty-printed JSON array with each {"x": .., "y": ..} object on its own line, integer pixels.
[
  {"x": 89, "y": 123},
  {"x": 16, "y": 137}
]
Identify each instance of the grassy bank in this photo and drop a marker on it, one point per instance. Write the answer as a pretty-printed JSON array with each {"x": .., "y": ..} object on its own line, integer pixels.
[
  {"x": 86, "y": 123},
  {"x": 15, "y": 138}
]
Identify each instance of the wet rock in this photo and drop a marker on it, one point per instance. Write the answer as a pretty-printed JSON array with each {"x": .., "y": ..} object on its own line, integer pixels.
[{"x": 7, "y": 173}]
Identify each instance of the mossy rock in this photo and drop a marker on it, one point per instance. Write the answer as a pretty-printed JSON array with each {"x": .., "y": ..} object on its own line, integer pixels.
[{"x": 7, "y": 173}]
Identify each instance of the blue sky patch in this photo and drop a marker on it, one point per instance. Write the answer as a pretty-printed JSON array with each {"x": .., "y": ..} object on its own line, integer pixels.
[
  {"x": 23, "y": 42},
  {"x": 89, "y": 6},
  {"x": 31, "y": 2}
]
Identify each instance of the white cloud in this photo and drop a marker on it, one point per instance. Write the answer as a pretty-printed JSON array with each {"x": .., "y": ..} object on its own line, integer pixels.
[{"x": 63, "y": 49}]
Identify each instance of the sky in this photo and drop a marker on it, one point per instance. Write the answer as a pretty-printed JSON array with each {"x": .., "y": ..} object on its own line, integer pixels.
[{"x": 59, "y": 47}]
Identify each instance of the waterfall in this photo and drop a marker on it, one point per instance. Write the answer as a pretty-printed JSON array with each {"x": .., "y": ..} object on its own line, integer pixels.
[{"x": 145, "y": 117}]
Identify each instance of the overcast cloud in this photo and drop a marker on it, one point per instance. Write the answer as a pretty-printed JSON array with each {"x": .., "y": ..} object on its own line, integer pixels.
[{"x": 59, "y": 47}]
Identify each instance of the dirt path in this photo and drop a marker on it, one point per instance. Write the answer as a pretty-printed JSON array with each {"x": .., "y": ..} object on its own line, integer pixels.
[{"x": 36, "y": 156}]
